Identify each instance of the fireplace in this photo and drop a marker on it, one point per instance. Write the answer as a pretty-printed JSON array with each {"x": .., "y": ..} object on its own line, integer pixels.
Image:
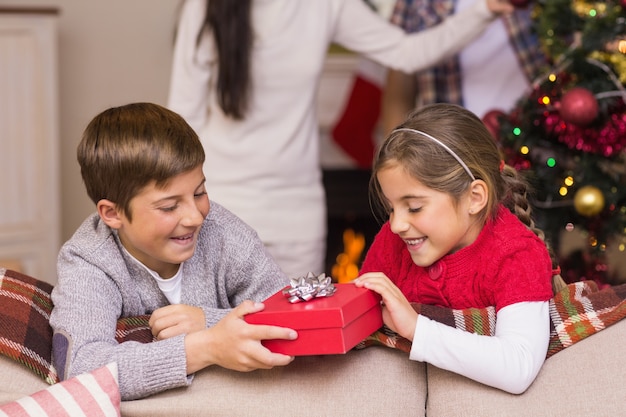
[{"x": 348, "y": 208}]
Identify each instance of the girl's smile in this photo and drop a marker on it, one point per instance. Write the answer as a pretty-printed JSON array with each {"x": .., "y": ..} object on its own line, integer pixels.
[{"x": 414, "y": 244}]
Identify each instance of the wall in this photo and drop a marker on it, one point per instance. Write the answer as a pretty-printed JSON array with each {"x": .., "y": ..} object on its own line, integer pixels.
[{"x": 110, "y": 53}]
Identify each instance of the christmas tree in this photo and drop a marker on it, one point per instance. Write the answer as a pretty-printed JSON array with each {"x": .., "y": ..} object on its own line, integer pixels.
[{"x": 568, "y": 135}]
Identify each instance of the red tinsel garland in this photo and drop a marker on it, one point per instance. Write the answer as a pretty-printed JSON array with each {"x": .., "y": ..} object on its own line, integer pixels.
[{"x": 607, "y": 140}]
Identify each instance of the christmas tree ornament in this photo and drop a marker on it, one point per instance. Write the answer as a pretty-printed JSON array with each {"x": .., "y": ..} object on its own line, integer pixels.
[
  {"x": 491, "y": 120},
  {"x": 588, "y": 201},
  {"x": 578, "y": 106},
  {"x": 575, "y": 112}
]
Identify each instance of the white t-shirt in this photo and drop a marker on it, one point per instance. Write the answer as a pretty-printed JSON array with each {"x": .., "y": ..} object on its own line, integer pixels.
[{"x": 491, "y": 74}]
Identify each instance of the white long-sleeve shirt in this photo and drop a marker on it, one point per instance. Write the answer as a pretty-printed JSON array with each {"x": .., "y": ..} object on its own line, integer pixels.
[
  {"x": 266, "y": 168},
  {"x": 510, "y": 360}
]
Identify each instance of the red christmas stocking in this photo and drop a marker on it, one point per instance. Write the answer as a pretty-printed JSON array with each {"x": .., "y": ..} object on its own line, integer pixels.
[{"x": 354, "y": 132}]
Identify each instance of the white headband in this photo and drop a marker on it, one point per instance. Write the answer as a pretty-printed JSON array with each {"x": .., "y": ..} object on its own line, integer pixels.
[{"x": 443, "y": 145}]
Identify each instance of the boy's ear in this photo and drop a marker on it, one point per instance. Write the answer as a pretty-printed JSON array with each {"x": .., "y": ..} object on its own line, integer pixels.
[
  {"x": 479, "y": 195},
  {"x": 108, "y": 212}
]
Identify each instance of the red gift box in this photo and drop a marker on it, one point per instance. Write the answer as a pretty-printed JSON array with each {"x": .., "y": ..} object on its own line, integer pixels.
[{"x": 325, "y": 325}]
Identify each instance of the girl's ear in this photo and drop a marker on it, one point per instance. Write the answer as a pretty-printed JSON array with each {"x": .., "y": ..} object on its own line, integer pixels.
[
  {"x": 109, "y": 213},
  {"x": 479, "y": 195}
]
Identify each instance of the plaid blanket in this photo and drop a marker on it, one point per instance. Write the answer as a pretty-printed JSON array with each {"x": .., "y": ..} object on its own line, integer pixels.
[
  {"x": 135, "y": 329},
  {"x": 25, "y": 332},
  {"x": 576, "y": 312}
]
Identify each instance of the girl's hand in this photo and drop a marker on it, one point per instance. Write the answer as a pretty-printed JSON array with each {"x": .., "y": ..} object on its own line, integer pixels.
[
  {"x": 500, "y": 6},
  {"x": 398, "y": 314},
  {"x": 234, "y": 344},
  {"x": 175, "y": 319}
]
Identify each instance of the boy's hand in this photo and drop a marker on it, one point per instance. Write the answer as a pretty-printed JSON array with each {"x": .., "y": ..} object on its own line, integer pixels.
[
  {"x": 234, "y": 344},
  {"x": 175, "y": 319},
  {"x": 398, "y": 314},
  {"x": 500, "y": 6}
]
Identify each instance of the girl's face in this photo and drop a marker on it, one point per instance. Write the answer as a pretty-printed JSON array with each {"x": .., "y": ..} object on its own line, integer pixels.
[
  {"x": 166, "y": 222},
  {"x": 428, "y": 221}
]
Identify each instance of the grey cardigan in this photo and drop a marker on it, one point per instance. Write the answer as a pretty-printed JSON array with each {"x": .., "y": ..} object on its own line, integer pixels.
[{"x": 98, "y": 283}]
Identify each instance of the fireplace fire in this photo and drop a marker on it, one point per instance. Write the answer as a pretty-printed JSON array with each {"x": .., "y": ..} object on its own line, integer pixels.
[
  {"x": 346, "y": 266},
  {"x": 351, "y": 224}
]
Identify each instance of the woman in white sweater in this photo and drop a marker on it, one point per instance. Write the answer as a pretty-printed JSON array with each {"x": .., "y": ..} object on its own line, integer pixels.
[{"x": 245, "y": 76}]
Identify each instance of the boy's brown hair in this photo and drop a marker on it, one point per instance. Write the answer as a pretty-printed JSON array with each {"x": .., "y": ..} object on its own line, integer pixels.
[{"x": 125, "y": 148}]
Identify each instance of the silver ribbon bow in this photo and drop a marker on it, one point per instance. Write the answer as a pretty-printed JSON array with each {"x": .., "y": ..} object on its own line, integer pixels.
[{"x": 309, "y": 287}]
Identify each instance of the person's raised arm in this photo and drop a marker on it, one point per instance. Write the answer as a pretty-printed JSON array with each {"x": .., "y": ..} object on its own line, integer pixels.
[{"x": 389, "y": 45}]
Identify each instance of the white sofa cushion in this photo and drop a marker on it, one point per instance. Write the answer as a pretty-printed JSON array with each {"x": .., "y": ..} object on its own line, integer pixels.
[
  {"x": 376, "y": 381},
  {"x": 17, "y": 381},
  {"x": 586, "y": 379}
]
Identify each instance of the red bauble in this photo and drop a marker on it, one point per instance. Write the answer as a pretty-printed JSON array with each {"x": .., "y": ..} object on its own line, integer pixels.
[
  {"x": 521, "y": 4},
  {"x": 579, "y": 106},
  {"x": 491, "y": 120}
]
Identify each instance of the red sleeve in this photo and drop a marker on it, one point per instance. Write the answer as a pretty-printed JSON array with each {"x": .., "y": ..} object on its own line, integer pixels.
[{"x": 525, "y": 275}]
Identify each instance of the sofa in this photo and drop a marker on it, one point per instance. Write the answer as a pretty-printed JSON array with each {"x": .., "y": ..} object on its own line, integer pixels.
[{"x": 585, "y": 379}]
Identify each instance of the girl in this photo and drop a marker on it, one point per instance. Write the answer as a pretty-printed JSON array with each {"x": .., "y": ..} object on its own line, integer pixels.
[{"x": 459, "y": 235}]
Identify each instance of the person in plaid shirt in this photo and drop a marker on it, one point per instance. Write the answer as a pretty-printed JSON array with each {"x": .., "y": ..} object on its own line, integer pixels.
[{"x": 491, "y": 73}]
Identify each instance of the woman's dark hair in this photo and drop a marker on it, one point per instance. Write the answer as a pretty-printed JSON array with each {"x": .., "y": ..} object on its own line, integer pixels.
[{"x": 230, "y": 23}]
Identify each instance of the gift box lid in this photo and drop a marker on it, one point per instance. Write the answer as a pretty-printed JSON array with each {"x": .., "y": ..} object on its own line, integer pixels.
[{"x": 344, "y": 306}]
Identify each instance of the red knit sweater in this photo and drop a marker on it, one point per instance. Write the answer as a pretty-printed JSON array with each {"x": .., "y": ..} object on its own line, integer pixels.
[{"x": 506, "y": 264}]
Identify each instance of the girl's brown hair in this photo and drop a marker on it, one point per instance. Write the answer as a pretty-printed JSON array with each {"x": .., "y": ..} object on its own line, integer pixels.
[{"x": 432, "y": 165}]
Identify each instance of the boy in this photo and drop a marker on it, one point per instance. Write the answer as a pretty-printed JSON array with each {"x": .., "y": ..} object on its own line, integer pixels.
[{"x": 158, "y": 246}]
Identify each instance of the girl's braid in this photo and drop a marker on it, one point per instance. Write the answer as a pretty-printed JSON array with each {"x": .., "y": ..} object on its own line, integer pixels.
[{"x": 516, "y": 200}]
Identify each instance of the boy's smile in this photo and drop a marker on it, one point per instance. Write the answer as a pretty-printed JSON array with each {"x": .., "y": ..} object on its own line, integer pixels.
[{"x": 165, "y": 222}]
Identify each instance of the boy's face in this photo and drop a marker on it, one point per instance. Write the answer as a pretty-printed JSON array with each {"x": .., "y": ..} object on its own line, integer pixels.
[{"x": 166, "y": 222}]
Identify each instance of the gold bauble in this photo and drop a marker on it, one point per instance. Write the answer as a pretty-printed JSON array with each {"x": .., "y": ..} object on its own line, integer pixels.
[{"x": 588, "y": 201}]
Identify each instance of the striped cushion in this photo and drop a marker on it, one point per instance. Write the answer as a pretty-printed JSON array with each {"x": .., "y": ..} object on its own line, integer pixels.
[{"x": 91, "y": 394}]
